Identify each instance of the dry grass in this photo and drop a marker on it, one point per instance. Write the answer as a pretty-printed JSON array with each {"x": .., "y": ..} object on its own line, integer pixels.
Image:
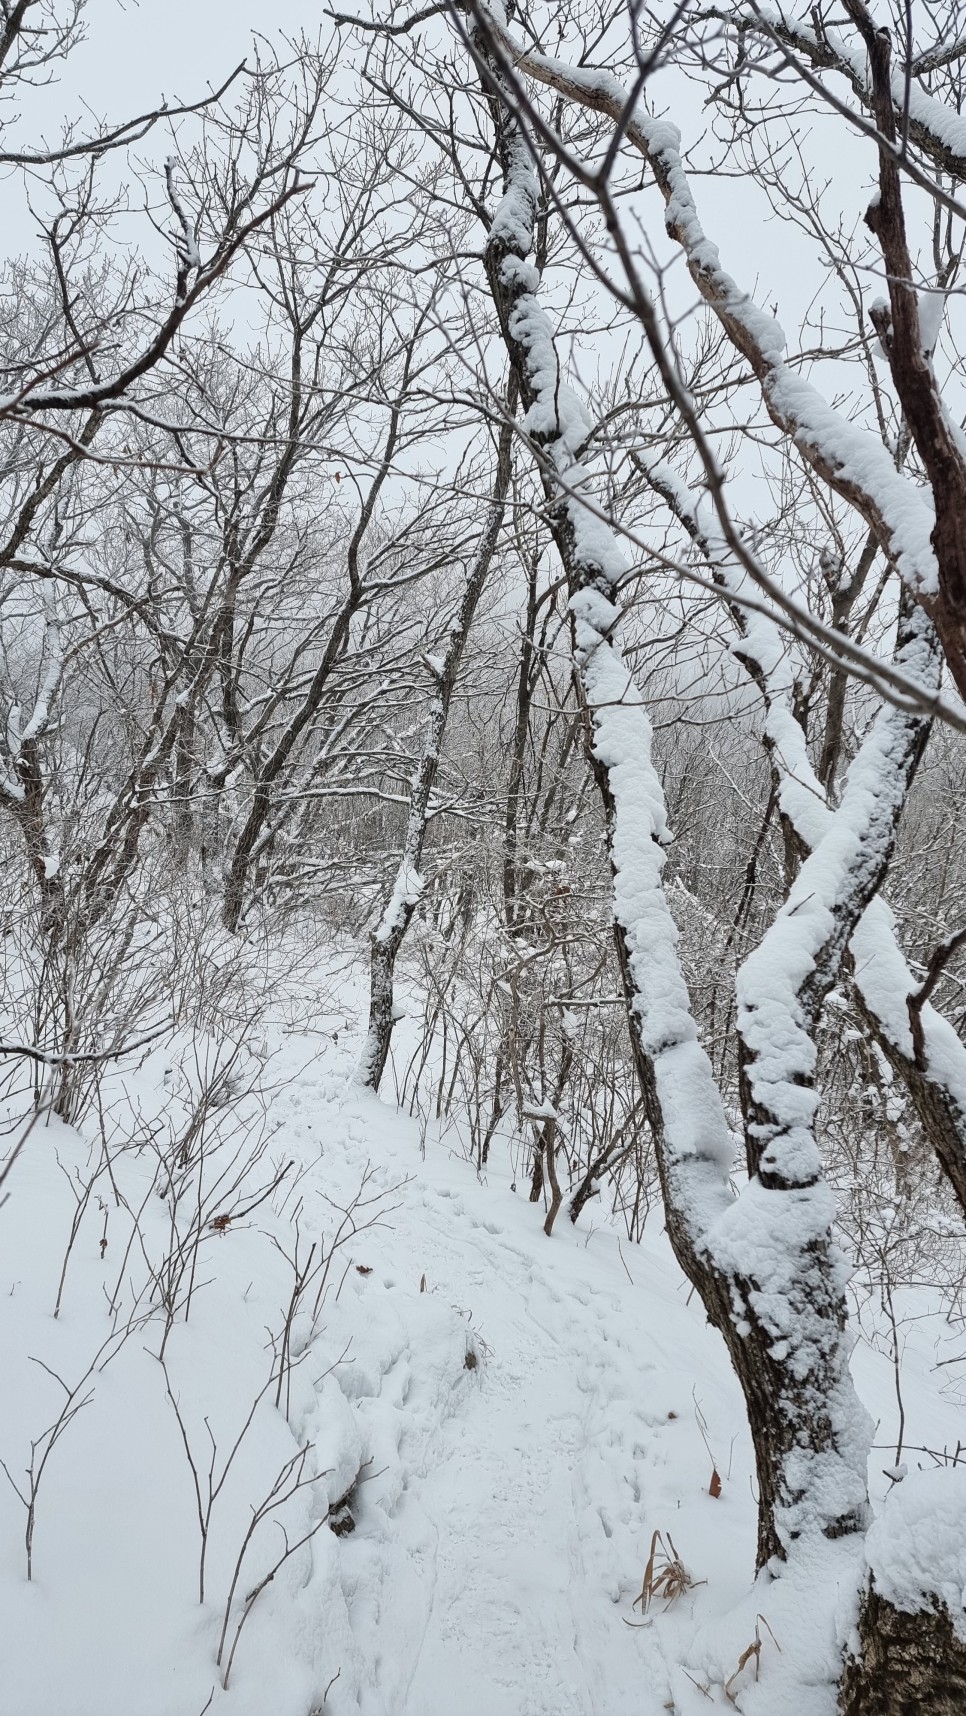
[
  {"x": 751, "y": 1654},
  {"x": 752, "y": 1651},
  {"x": 665, "y": 1575}
]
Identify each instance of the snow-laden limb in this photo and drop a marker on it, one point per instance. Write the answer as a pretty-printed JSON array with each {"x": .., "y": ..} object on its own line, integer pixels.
[
  {"x": 935, "y": 129},
  {"x": 937, "y": 436},
  {"x": 697, "y": 1149},
  {"x": 186, "y": 243},
  {"x": 934, "y": 1071},
  {"x": 914, "y": 525},
  {"x": 772, "y": 1281},
  {"x": 407, "y": 891},
  {"x": 783, "y": 983},
  {"x": 781, "y": 988}
]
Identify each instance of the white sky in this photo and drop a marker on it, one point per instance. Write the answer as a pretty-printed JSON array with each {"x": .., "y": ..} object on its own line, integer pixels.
[{"x": 137, "y": 53}]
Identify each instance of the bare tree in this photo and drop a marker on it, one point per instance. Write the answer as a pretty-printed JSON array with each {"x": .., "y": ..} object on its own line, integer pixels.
[{"x": 783, "y": 1321}]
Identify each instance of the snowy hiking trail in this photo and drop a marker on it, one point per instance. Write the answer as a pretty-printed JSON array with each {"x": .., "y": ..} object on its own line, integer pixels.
[
  {"x": 503, "y": 1512},
  {"x": 521, "y": 1517},
  {"x": 493, "y": 1516},
  {"x": 504, "y": 1499}
]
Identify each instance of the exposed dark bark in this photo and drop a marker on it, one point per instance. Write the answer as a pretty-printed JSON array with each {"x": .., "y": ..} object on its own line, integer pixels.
[
  {"x": 794, "y": 1408},
  {"x": 912, "y": 372},
  {"x": 907, "y": 1664},
  {"x": 606, "y": 1159}
]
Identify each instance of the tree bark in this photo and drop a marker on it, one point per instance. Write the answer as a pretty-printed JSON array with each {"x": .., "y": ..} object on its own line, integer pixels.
[
  {"x": 388, "y": 936},
  {"x": 765, "y": 1265},
  {"x": 907, "y": 1664}
]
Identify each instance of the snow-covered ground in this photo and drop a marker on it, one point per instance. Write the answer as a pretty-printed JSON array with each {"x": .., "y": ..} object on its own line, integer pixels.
[{"x": 511, "y": 1418}]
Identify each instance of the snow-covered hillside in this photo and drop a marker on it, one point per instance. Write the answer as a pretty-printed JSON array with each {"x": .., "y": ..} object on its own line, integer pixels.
[{"x": 424, "y": 1448}]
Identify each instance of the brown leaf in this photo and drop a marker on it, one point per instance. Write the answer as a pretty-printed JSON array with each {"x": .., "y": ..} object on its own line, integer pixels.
[{"x": 714, "y": 1488}]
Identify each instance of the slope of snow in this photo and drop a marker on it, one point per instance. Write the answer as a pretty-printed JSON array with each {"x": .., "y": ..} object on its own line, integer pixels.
[{"x": 513, "y": 1418}]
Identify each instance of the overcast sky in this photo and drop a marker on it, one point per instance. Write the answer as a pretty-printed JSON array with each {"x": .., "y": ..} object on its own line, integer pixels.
[
  {"x": 133, "y": 57},
  {"x": 134, "y": 53}
]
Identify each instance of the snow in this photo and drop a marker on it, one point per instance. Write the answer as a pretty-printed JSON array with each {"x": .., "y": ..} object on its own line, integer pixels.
[
  {"x": 846, "y": 452},
  {"x": 916, "y": 1550},
  {"x": 407, "y": 892},
  {"x": 824, "y": 903},
  {"x": 936, "y": 116},
  {"x": 932, "y": 311},
  {"x": 697, "y": 1140},
  {"x": 855, "y": 454},
  {"x": 494, "y": 1497},
  {"x": 504, "y": 1509},
  {"x": 769, "y": 1249},
  {"x": 882, "y": 974},
  {"x": 697, "y": 1144}
]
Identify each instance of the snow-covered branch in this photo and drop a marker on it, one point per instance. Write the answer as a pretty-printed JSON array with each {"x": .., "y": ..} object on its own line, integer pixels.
[{"x": 765, "y": 1264}]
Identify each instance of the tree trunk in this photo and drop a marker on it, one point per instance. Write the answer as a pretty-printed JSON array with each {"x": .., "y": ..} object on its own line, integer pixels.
[
  {"x": 765, "y": 1265},
  {"x": 907, "y": 1664},
  {"x": 387, "y": 938}
]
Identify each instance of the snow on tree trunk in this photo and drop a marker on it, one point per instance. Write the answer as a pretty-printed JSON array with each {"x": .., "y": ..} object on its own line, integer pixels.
[
  {"x": 908, "y": 1664},
  {"x": 921, "y": 1045},
  {"x": 765, "y": 1265},
  {"x": 919, "y": 527},
  {"x": 908, "y": 1652}
]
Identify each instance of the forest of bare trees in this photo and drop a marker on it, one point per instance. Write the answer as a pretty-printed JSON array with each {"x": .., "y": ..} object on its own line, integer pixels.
[{"x": 437, "y": 526}]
